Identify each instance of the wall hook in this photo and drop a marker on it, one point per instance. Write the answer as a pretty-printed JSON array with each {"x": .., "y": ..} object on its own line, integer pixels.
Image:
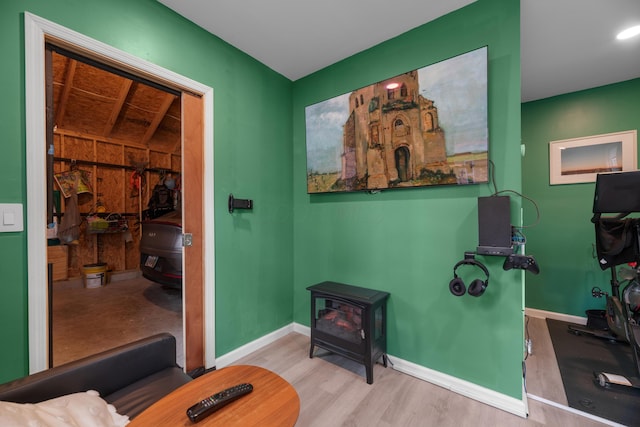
[{"x": 239, "y": 203}]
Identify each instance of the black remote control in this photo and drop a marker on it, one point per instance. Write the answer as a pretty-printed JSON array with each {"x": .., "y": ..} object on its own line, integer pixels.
[{"x": 211, "y": 404}]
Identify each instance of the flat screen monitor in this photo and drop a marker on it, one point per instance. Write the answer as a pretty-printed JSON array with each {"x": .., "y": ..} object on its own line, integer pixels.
[
  {"x": 422, "y": 128},
  {"x": 617, "y": 192}
]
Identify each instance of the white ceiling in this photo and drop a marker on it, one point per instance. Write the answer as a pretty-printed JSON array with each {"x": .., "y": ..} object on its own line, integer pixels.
[
  {"x": 570, "y": 45},
  {"x": 567, "y": 45}
]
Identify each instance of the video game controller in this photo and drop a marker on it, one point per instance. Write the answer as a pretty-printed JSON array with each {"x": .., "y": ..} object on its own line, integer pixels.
[{"x": 521, "y": 262}]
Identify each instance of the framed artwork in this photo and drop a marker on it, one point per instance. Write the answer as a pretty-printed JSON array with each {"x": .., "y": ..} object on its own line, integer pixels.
[
  {"x": 581, "y": 159},
  {"x": 425, "y": 127}
]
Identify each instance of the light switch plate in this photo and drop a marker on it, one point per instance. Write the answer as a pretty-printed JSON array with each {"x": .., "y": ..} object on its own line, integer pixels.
[{"x": 11, "y": 217}]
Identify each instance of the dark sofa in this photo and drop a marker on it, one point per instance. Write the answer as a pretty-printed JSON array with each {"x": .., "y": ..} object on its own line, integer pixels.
[{"x": 130, "y": 377}]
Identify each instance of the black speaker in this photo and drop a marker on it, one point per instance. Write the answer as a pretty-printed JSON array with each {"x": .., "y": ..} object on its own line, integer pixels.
[
  {"x": 476, "y": 288},
  {"x": 494, "y": 226}
]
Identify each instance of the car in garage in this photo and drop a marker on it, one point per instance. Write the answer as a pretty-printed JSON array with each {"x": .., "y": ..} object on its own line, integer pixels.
[{"x": 161, "y": 249}]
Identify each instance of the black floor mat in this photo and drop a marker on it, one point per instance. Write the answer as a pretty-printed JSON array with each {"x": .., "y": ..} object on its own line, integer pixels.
[{"x": 579, "y": 356}]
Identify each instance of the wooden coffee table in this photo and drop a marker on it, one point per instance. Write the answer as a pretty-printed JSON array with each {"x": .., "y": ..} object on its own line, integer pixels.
[{"x": 273, "y": 401}]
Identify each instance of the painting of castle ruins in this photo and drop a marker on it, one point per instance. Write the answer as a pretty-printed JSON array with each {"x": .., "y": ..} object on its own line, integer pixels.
[{"x": 425, "y": 127}]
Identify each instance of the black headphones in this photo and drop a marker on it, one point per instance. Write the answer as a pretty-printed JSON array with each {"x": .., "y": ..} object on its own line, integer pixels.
[{"x": 476, "y": 288}]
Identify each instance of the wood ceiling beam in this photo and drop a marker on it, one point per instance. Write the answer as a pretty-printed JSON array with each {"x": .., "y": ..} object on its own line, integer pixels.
[
  {"x": 166, "y": 103},
  {"x": 66, "y": 90},
  {"x": 102, "y": 138},
  {"x": 176, "y": 146},
  {"x": 117, "y": 107}
]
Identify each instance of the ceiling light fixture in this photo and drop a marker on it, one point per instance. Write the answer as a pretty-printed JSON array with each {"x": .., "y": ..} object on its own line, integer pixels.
[
  {"x": 392, "y": 85},
  {"x": 628, "y": 33}
]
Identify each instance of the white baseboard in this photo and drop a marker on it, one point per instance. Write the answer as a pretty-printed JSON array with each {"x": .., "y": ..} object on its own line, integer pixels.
[
  {"x": 456, "y": 385},
  {"x": 302, "y": 329},
  {"x": 245, "y": 350},
  {"x": 574, "y": 411},
  {"x": 542, "y": 314},
  {"x": 465, "y": 388}
]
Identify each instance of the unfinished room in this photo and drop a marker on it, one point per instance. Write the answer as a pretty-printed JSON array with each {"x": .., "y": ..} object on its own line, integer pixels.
[{"x": 114, "y": 214}]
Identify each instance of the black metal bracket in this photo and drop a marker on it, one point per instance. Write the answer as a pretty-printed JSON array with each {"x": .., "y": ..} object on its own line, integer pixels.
[
  {"x": 239, "y": 203},
  {"x": 468, "y": 255}
]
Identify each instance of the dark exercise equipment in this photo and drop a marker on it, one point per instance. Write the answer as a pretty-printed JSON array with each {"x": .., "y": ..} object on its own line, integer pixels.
[{"x": 617, "y": 243}]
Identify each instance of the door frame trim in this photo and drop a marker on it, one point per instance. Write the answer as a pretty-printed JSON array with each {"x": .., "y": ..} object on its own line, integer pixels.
[{"x": 37, "y": 30}]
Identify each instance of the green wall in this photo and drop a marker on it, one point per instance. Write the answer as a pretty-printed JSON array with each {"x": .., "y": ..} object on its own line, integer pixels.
[
  {"x": 406, "y": 242},
  {"x": 403, "y": 241},
  {"x": 252, "y": 134},
  {"x": 563, "y": 240}
]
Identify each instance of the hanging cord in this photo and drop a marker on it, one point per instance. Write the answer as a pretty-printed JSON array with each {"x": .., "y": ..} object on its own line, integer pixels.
[
  {"x": 527, "y": 339},
  {"x": 535, "y": 205},
  {"x": 492, "y": 170},
  {"x": 496, "y": 192}
]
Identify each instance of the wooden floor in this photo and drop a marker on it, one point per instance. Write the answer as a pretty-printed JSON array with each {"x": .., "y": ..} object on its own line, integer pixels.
[
  {"x": 333, "y": 391},
  {"x": 331, "y": 395},
  {"x": 543, "y": 374}
]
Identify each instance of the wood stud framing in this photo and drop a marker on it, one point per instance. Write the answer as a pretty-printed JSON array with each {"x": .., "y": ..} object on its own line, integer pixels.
[{"x": 111, "y": 120}]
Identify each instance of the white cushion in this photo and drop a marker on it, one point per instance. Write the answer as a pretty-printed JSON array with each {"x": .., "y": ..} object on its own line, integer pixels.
[{"x": 85, "y": 409}]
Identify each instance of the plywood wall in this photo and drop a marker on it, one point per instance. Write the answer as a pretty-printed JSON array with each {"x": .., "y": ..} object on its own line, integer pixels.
[{"x": 111, "y": 183}]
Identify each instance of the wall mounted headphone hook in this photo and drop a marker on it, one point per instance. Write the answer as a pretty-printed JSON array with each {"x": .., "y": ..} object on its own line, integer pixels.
[{"x": 469, "y": 255}]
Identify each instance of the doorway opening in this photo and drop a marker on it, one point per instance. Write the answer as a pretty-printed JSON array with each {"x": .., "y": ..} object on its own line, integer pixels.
[
  {"x": 119, "y": 137},
  {"x": 197, "y": 132},
  {"x": 402, "y": 163}
]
